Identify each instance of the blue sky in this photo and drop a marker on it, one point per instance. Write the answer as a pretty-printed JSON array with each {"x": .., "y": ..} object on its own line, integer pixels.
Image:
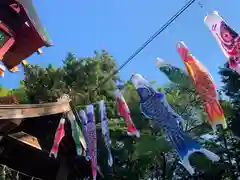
[{"x": 120, "y": 27}]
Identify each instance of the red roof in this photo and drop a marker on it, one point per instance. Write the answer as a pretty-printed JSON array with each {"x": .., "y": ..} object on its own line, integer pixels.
[{"x": 28, "y": 32}]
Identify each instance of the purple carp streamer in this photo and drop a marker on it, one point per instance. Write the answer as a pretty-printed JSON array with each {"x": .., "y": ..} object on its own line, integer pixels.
[
  {"x": 83, "y": 117},
  {"x": 154, "y": 105},
  {"x": 227, "y": 38},
  {"x": 105, "y": 131},
  {"x": 92, "y": 139}
]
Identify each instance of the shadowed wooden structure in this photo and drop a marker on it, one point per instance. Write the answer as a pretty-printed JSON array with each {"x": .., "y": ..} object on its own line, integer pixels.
[{"x": 27, "y": 136}]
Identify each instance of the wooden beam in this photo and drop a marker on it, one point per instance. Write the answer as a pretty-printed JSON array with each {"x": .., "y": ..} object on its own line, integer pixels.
[
  {"x": 2, "y": 70},
  {"x": 24, "y": 62},
  {"x": 21, "y": 111},
  {"x": 26, "y": 139},
  {"x": 15, "y": 7},
  {"x": 83, "y": 142},
  {"x": 8, "y": 125},
  {"x": 14, "y": 69},
  {"x": 39, "y": 51},
  {"x": 63, "y": 170}
]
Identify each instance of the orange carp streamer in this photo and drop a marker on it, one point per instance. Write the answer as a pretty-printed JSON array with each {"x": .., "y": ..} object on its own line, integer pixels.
[{"x": 204, "y": 85}]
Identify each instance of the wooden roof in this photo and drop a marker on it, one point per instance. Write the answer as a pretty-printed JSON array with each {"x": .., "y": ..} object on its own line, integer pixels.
[
  {"x": 26, "y": 159},
  {"x": 27, "y": 30},
  {"x": 12, "y": 115},
  {"x": 35, "y": 21},
  {"x": 34, "y": 126}
]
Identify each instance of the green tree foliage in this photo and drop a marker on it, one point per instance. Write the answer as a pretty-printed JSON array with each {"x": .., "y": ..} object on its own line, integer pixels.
[
  {"x": 83, "y": 78},
  {"x": 229, "y": 98},
  {"x": 231, "y": 86},
  {"x": 43, "y": 84},
  {"x": 149, "y": 156},
  {"x": 3, "y": 91},
  {"x": 78, "y": 77},
  {"x": 187, "y": 103},
  {"x": 20, "y": 93}
]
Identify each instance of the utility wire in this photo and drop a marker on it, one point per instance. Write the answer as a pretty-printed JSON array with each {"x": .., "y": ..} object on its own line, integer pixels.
[{"x": 169, "y": 22}]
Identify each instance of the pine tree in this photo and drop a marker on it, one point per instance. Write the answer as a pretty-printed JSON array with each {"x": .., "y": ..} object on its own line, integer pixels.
[{"x": 231, "y": 88}]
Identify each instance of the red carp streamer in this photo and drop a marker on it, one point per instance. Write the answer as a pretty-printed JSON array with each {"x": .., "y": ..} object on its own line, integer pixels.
[
  {"x": 60, "y": 133},
  {"x": 125, "y": 113},
  {"x": 204, "y": 85}
]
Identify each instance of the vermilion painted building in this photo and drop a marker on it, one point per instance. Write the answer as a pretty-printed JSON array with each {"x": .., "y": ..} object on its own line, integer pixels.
[{"x": 21, "y": 33}]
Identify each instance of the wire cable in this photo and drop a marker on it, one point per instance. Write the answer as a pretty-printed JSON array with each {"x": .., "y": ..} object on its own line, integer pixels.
[{"x": 162, "y": 28}]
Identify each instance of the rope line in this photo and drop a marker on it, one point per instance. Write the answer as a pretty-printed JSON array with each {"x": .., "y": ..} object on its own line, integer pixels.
[
  {"x": 18, "y": 172},
  {"x": 162, "y": 28}
]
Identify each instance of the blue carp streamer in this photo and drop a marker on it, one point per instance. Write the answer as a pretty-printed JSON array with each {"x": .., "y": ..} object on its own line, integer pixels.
[
  {"x": 83, "y": 117},
  {"x": 105, "y": 131},
  {"x": 154, "y": 105}
]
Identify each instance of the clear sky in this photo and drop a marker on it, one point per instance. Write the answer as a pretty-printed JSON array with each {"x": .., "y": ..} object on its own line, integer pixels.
[{"x": 121, "y": 26}]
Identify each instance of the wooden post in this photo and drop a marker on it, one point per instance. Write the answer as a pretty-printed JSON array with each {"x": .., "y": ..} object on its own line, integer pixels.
[
  {"x": 2, "y": 70},
  {"x": 63, "y": 170},
  {"x": 39, "y": 51},
  {"x": 24, "y": 62},
  {"x": 14, "y": 69}
]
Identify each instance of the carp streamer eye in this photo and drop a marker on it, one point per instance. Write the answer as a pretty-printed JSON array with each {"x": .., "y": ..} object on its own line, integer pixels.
[
  {"x": 227, "y": 33},
  {"x": 227, "y": 36}
]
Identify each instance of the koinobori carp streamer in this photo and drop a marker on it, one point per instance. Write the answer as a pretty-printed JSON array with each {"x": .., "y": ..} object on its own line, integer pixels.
[
  {"x": 59, "y": 134},
  {"x": 76, "y": 132},
  {"x": 154, "y": 106},
  {"x": 124, "y": 111},
  {"x": 92, "y": 139},
  {"x": 105, "y": 131},
  {"x": 204, "y": 85},
  {"x": 174, "y": 74},
  {"x": 227, "y": 38},
  {"x": 83, "y": 117}
]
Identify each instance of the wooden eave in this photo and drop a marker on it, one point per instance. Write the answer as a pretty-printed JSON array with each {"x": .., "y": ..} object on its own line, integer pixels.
[{"x": 22, "y": 111}]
